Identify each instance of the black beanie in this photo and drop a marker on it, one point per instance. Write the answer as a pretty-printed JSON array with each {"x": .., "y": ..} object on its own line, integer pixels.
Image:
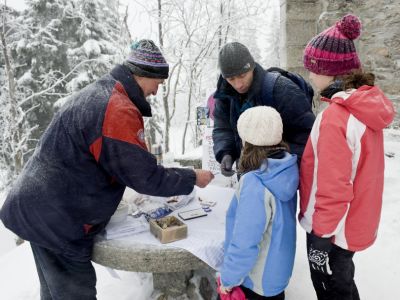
[
  {"x": 235, "y": 59},
  {"x": 146, "y": 60}
]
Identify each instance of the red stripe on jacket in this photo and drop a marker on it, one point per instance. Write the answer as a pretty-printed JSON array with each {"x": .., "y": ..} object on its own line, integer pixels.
[
  {"x": 122, "y": 121},
  {"x": 95, "y": 148}
]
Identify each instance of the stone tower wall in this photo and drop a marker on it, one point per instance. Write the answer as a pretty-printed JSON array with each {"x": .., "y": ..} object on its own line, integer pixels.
[{"x": 378, "y": 45}]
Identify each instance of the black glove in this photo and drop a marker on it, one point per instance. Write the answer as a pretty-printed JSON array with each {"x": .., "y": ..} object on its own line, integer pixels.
[
  {"x": 318, "y": 253},
  {"x": 226, "y": 166}
]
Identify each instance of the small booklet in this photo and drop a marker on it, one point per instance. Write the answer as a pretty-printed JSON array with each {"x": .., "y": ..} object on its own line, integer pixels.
[{"x": 192, "y": 214}]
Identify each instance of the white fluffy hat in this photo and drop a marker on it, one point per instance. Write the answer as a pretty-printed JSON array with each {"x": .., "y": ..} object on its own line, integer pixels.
[{"x": 260, "y": 126}]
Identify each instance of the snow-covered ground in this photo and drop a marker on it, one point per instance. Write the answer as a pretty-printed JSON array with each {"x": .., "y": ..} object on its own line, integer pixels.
[{"x": 377, "y": 268}]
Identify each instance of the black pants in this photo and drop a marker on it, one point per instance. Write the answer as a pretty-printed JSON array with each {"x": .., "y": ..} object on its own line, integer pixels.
[
  {"x": 250, "y": 295},
  {"x": 62, "y": 278},
  {"x": 340, "y": 285}
]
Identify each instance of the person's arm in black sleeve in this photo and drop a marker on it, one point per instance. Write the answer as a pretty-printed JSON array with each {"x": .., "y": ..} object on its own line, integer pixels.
[
  {"x": 223, "y": 134},
  {"x": 124, "y": 157},
  {"x": 135, "y": 167},
  {"x": 296, "y": 112}
]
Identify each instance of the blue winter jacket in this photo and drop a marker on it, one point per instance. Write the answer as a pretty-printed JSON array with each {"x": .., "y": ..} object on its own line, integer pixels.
[
  {"x": 260, "y": 240},
  {"x": 93, "y": 148},
  {"x": 289, "y": 100}
]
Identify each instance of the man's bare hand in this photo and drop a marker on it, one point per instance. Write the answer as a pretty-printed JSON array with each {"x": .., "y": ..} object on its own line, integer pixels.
[{"x": 203, "y": 177}]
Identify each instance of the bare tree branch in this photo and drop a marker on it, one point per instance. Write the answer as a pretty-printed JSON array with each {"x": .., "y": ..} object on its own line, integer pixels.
[{"x": 59, "y": 81}]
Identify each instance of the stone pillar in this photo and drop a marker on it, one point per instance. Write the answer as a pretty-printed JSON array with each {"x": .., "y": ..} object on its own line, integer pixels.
[
  {"x": 195, "y": 284},
  {"x": 173, "y": 284},
  {"x": 298, "y": 26}
]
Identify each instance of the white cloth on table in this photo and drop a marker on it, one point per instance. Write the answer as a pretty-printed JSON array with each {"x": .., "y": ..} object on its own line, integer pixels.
[
  {"x": 126, "y": 228},
  {"x": 205, "y": 234}
]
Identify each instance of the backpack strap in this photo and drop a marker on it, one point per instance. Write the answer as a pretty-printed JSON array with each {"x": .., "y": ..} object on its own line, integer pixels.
[{"x": 268, "y": 88}]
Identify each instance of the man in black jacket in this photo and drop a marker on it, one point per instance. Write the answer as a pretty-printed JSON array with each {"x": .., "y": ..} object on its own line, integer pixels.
[
  {"x": 93, "y": 148},
  {"x": 242, "y": 85}
]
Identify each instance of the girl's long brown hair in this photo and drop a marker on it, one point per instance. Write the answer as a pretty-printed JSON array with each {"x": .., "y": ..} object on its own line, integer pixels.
[
  {"x": 252, "y": 156},
  {"x": 356, "y": 79}
]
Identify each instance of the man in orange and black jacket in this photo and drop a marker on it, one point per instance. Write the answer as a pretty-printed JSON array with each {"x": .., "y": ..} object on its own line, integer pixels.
[{"x": 93, "y": 148}]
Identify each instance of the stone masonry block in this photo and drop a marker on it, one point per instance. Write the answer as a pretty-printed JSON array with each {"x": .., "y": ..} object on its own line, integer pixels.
[{"x": 299, "y": 32}]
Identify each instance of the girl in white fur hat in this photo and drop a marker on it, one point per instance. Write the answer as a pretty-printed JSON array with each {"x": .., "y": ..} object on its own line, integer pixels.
[{"x": 260, "y": 237}]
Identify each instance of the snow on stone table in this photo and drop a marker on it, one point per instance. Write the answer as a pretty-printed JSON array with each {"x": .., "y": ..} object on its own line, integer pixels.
[{"x": 205, "y": 234}]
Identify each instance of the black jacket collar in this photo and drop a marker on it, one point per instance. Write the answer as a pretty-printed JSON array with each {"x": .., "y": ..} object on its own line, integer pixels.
[
  {"x": 135, "y": 93},
  {"x": 332, "y": 89}
]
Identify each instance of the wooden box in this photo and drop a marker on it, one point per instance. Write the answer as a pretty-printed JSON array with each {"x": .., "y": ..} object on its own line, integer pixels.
[{"x": 168, "y": 229}]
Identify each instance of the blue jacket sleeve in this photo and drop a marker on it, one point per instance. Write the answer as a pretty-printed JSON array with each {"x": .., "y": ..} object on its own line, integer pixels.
[{"x": 249, "y": 226}]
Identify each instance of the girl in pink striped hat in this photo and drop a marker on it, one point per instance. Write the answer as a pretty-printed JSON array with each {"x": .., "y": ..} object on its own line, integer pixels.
[{"x": 342, "y": 168}]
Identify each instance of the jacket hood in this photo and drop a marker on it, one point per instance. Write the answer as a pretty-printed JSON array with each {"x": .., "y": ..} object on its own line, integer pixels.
[
  {"x": 368, "y": 104},
  {"x": 280, "y": 176}
]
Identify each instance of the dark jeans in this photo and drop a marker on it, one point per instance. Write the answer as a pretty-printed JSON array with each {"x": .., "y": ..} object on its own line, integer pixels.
[
  {"x": 340, "y": 285},
  {"x": 250, "y": 295},
  {"x": 62, "y": 278}
]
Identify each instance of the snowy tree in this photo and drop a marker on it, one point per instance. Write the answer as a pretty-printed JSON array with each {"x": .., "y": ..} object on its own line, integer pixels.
[
  {"x": 40, "y": 56},
  {"x": 190, "y": 48},
  {"x": 270, "y": 48},
  {"x": 60, "y": 46},
  {"x": 190, "y": 34},
  {"x": 101, "y": 38},
  {"x": 60, "y": 35},
  {"x": 15, "y": 131}
]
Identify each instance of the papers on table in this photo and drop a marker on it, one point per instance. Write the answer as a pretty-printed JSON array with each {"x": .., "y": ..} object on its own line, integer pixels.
[
  {"x": 143, "y": 207},
  {"x": 205, "y": 235},
  {"x": 126, "y": 228}
]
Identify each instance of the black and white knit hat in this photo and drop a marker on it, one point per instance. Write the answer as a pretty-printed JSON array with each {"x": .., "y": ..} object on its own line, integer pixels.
[
  {"x": 235, "y": 59},
  {"x": 260, "y": 126},
  {"x": 146, "y": 60}
]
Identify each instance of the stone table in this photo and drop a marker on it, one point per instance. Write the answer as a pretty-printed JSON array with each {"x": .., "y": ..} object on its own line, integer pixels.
[{"x": 172, "y": 268}]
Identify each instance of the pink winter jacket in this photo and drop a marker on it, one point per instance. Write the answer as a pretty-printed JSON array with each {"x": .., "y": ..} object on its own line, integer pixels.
[{"x": 342, "y": 169}]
